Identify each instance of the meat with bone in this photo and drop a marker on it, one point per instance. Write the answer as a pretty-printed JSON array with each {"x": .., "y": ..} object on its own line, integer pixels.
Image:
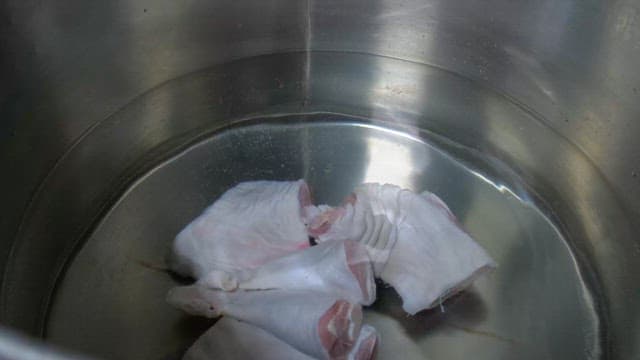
[
  {"x": 369, "y": 216},
  {"x": 249, "y": 225},
  {"x": 340, "y": 268},
  {"x": 316, "y": 324},
  {"x": 414, "y": 240},
  {"x": 365, "y": 347},
  {"x": 230, "y": 339},
  {"x": 445, "y": 250}
]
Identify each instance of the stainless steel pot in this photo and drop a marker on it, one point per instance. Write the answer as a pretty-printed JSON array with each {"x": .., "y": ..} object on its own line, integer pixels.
[{"x": 121, "y": 120}]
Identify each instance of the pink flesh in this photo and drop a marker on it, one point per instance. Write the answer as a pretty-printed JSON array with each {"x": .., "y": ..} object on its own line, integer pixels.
[
  {"x": 305, "y": 196},
  {"x": 322, "y": 223},
  {"x": 342, "y": 313},
  {"x": 359, "y": 269},
  {"x": 316, "y": 229},
  {"x": 250, "y": 224},
  {"x": 367, "y": 349}
]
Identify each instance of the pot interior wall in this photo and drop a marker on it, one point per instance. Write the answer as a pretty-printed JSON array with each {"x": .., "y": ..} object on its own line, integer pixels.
[
  {"x": 122, "y": 121},
  {"x": 106, "y": 293}
]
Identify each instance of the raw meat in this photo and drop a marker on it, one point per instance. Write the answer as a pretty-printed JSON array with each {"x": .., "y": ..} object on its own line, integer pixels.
[
  {"x": 369, "y": 216},
  {"x": 432, "y": 252},
  {"x": 316, "y": 324},
  {"x": 249, "y": 225},
  {"x": 340, "y": 268},
  {"x": 365, "y": 347},
  {"x": 230, "y": 339},
  {"x": 414, "y": 240}
]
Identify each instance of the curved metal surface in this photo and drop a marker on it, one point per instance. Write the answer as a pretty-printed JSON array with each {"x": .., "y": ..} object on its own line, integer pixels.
[
  {"x": 14, "y": 345},
  {"x": 565, "y": 122},
  {"x": 113, "y": 293}
]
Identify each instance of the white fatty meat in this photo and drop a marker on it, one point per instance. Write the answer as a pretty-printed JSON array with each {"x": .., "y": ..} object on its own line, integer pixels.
[
  {"x": 249, "y": 225},
  {"x": 414, "y": 240},
  {"x": 316, "y": 324},
  {"x": 340, "y": 268}
]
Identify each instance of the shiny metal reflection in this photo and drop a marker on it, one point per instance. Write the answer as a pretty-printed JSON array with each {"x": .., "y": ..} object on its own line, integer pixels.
[{"x": 540, "y": 98}]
